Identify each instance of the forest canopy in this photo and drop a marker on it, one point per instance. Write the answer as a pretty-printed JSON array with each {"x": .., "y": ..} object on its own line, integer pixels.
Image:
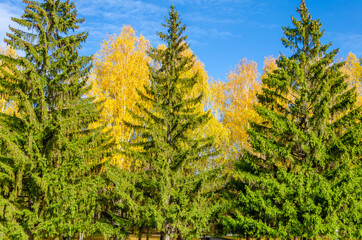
[{"x": 138, "y": 139}]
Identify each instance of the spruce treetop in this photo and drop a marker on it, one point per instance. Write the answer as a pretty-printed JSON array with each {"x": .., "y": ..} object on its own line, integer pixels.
[
  {"x": 54, "y": 157},
  {"x": 170, "y": 155},
  {"x": 294, "y": 181},
  {"x": 306, "y": 34}
]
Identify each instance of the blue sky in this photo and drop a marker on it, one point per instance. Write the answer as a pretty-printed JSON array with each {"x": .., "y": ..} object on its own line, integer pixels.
[{"x": 220, "y": 32}]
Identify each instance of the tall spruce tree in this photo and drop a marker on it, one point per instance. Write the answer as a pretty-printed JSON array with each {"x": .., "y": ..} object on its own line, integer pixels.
[
  {"x": 49, "y": 158},
  {"x": 173, "y": 191},
  {"x": 303, "y": 176}
]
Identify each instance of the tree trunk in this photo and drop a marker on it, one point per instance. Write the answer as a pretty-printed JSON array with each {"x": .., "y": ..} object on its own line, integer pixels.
[
  {"x": 140, "y": 233},
  {"x": 166, "y": 235},
  {"x": 30, "y": 235}
]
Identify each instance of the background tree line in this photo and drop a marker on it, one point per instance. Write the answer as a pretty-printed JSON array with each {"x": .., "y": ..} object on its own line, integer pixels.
[{"x": 137, "y": 139}]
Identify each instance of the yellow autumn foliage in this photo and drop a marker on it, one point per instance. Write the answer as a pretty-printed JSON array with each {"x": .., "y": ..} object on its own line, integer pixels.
[
  {"x": 269, "y": 66},
  {"x": 120, "y": 67},
  {"x": 353, "y": 69},
  {"x": 6, "y": 106},
  {"x": 213, "y": 128},
  {"x": 235, "y": 101}
]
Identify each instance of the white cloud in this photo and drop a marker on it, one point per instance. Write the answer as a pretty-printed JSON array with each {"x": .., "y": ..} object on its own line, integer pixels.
[
  {"x": 210, "y": 32},
  {"x": 347, "y": 42},
  {"x": 214, "y": 2},
  {"x": 108, "y": 16},
  {"x": 351, "y": 41},
  {"x": 8, "y": 10}
]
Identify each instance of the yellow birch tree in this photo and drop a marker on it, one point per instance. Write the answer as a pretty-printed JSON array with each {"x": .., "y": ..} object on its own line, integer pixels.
[
  {"x": 213, "y": 128},
  {"x": 120, "y": 67},
  {"x": 269, "y": 66},
  {"x": 6, "y": 105},
  {"x": 353, "y": 69},
  {"x": 234, "y": 101}
]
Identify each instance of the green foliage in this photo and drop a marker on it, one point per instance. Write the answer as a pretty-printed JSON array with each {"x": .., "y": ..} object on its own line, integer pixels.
[
  {"x": 303, "y": 176},
  {"x": 49, "y": 159},
  {"x": 172, "y": 190}
]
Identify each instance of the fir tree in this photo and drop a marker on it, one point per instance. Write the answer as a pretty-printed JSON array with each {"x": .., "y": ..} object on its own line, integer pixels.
[
  {"x": 172, "y": 190},
  {"x": 49, "y": 158},
  {"x": 303, "y": 176}
]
